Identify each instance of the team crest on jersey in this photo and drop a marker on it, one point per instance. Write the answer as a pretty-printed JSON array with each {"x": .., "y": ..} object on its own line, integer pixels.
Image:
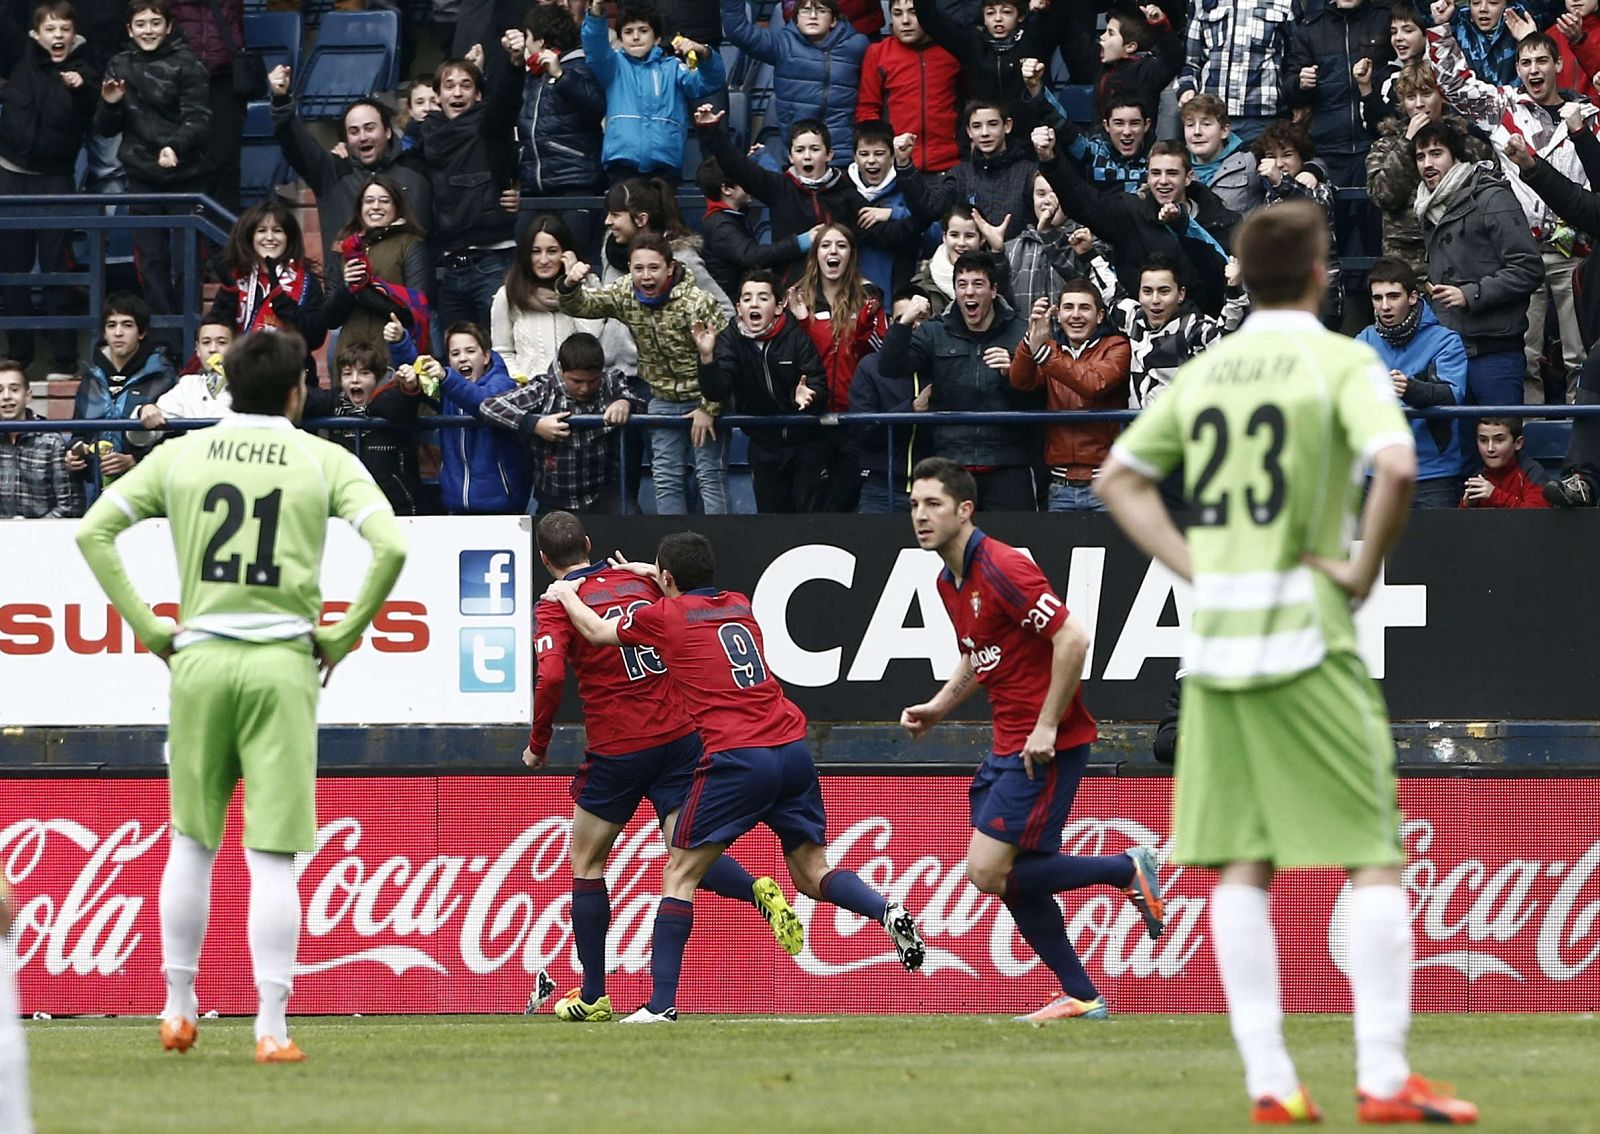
[{"x": 977, "y": 604}]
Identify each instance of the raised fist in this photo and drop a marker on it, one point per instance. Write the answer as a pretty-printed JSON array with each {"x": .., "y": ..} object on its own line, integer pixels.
[
  {"x": 905, "y": 148},
  {"x": 279, "y": 80}
]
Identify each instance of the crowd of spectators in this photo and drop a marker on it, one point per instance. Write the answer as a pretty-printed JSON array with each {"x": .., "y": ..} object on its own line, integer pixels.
[{"x": 927, "y": 229}]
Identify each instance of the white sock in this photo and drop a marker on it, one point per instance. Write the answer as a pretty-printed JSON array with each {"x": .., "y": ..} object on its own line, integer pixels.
[
  {"x": 274, "y": 937},
  {"x": 185, "y": 902},
  {"x": 1247, "y": 960},
  {"x": 1380, "y": 985},
  {"x": 15, "y": 1117}
]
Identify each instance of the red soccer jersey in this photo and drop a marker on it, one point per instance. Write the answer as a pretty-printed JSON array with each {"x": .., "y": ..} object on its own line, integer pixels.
[
  {"x": 1005, "y": 615},
  {"x": 711, "y": 645},
  {"x": 628, "y": 702}
]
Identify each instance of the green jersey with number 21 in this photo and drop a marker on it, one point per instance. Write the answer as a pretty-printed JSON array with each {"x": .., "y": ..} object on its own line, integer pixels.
[{"x": 1274, "y": 427}]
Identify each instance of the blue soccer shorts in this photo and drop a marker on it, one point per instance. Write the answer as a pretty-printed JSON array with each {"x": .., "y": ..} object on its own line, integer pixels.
[
  {"x": 1006, "y": 805},
  {"x": 611, "y": 787},
  {"x": 739, "y": 788}
]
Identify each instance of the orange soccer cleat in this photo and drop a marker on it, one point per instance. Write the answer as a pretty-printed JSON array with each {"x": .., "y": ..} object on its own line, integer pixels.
[
  {"x": 269, "y": 1050},
  {"x": 1297, "y": 1107},
  {"x": 179, "y": 1035},
  {"x": 1417, "y": 1101}
]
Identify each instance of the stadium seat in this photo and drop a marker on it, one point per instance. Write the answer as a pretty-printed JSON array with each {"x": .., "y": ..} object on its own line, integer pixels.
[
  {"x": 261, "y": 165},
  {"x": 739, "y": 117},
  {"x": 354, "y": 56},
  {"x": 1546, "y": 442},
  {"x": 275, "y": 36},
  {"x": 1077, "y": 100}
]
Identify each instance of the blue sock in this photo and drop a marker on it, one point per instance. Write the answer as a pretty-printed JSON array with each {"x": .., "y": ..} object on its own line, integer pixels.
[
  {"x": 727, "y": 878},
  {"x": 1042, "y": 874},
  {"x": 591, "y": 921},
  {"x": 1039, "y": 920},
  {"x": 845, "y": 889},
  {"x": 674, "y": 920}
]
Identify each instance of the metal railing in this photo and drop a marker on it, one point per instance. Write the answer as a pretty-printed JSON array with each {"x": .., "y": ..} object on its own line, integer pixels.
[
  {"x": 86, "y": 212},
  {"x": 641, "y": 422}
]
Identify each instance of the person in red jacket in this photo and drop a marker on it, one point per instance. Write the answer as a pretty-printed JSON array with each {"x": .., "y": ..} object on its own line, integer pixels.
[
  {"x": 1505, "y": 481},
  {"x": 1085, "y": 369},
  {"x": 911, "y": 82}
]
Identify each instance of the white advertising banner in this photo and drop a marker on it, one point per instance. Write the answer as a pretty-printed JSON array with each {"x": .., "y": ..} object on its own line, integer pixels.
[{"x": 452, "y": 645}]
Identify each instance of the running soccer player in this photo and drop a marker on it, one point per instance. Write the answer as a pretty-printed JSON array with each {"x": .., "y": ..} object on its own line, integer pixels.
[
  {"x": 15, "y": 1116},
  {"x": 1019, "y": 641},
  {"x": 249, "y": 502},
  {"x": 1287, "y": 756},
  {"x": 641, "y": 744},
  {"x": 757, "y": 767}
]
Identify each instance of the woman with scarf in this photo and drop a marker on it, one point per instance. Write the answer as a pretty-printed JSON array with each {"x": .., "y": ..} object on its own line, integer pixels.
[
  {"x": 844, "y": 316},
  {"x": 527, "y": 325},
  {"x": 383, "y": 268},
  {"x": 268, "y": 284}
]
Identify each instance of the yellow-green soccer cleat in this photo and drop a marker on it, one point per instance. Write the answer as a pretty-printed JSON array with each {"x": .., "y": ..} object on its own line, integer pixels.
[
  {"x": 775, "y": 908},
  {"x": 573, "y": 1010}
]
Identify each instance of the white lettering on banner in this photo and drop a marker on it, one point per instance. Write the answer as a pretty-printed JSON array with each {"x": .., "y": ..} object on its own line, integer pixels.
[
  {"x": 91, "y": 931},
  {"x": 1468, "y": 900},
  {"x": 887, "y": 638},
  {"x": 811, "y": 669},
  {"x": 1084, "y": 581},
  {"x": 1143, "y": 637}
]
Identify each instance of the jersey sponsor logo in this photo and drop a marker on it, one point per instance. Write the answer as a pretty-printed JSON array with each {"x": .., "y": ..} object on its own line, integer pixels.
[
  {"x": 983, "y": 658},
  {"x": 1042, "y": 611},
  {"x": 488, "y": 659},
  {"x": 488, "y": 582}
]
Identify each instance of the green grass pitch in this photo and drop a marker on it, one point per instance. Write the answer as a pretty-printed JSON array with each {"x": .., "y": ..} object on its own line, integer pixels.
[{"x": 711, "y": 1074}]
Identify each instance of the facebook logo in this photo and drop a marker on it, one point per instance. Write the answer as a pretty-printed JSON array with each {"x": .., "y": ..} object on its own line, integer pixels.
[
  {"x": 488, "y": 582},
  {"x": 488, "y": 659}
]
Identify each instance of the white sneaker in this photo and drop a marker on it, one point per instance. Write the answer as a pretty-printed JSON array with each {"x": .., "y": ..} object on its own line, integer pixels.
[
  {"x": 645, "y": 1016},
  {"x": 907, "y": 937}
]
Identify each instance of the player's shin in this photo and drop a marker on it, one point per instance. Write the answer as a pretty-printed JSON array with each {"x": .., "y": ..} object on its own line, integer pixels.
[
  {"x": 1039, "y": 920},
  {"x": 274, "y": 931},
  {"x": 1055, "y": 873},
  {"x": 726, "y": 878},
  {"x": 1247, "y": 960},
  {"x": 674, "y": 922},
  {"x": 1380, "y": 985},
  {"x": 845, "y": 889},
  {"x": 591, "y": 922},
  {"x": 185, "y": 901}
]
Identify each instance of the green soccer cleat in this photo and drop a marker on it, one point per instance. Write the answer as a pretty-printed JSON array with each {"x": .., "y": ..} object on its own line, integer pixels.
[
  {"x": 573, "y": 1010},
  {"x": 775, "y": 908}
]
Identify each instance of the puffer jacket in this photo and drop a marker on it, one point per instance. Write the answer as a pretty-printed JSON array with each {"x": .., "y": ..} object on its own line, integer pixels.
[
  {"x": 809, "y": 80},
  {"x": 1320, "y": 193},
  {"x": 1392, "y": 182},
  {"x": 668, "y": 360},
  {"x": 914, "y": 89},
  {"x": 167, "y": 103},
  {"x": 1094, "y": 379},
  {"x": 561, "y": 129},
  {"x": 1232, "y": 176},
  {"x": 194, "y": 19},
  {"x": 42, "y": 120},
  {"x": 1333, "y": 39},
  {"x": 646, "y": 116},
  {"x": 481, "y": 470},
  {"x": 992, "y": 68},
  {"x": 144, "y": 378},
  {"x": 469, "y": 159},
  {"x": 1434, "y": 362},
  {"x": 337, "y": 182},
  {"x": 1481, "y": 245},
  {"x": 759, "y": 377},
  {"x": 1500, "y": 111},
  {"x": 949, "y": 357},
  {"x": 997, "y": 185}
]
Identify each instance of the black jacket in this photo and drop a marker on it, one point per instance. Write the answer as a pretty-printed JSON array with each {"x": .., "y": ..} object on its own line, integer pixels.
[
  {"x": 1333, "y": 39},
  {"x": 42, "y": 120},
  {"x": 997, "y": 186},
  {"x": 469, "y": 160},
  {"x": 992, "y": 68},
  {"x": 390, "y": 455},
  {"x": 795, "y": 209},
  {"x": 760, "y": 378},
  {"x": 700, "y": 20},
  {"x": 730, "y": 249},
  {"x": 167, "y": 103},
  {"x": 872, "y": 392},
  {"x": 337, "y": 182},
  {"x": 1128, "y": 222},
  {"x": 1580, "y": 208},
  {"x": 308, "y": 317},
  {"x": 560, "y": 129},
  {"x": 945, "y": 354},
  {"x": 1482, "y": 245}
]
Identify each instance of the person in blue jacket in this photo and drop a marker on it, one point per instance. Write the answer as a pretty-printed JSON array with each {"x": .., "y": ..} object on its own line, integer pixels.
[
  {"x": 1427, "y": 363},
  {"x": 646, "y": 89},
  {"x": 816, "y": 63},
  {"x": 481, "y": 471}
]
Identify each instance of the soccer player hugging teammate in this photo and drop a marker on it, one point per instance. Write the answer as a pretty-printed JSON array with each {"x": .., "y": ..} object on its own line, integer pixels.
[
  {"x": 1019, "y": 641},
  {"x": 1288, "y": 760},
  {"x": 757, "y": 767},
  {"x": 642, "y": 745}
]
